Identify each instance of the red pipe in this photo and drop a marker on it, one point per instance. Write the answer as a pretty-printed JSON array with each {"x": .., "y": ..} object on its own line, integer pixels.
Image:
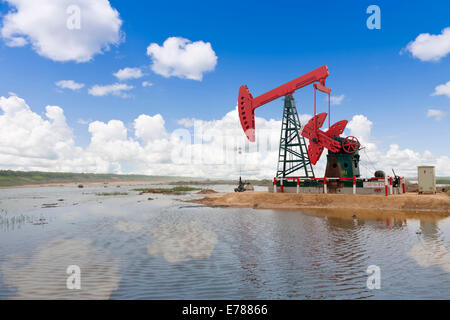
[
  {"x": 329, "y": 111},
  {"x": 315, "y": 118}
]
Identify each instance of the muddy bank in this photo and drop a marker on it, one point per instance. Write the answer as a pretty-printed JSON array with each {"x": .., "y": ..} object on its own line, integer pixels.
[
  {"x": 207, "y": 191},
  {"x": 377, "y": 214},
  {"x": 410, "y": 202}
]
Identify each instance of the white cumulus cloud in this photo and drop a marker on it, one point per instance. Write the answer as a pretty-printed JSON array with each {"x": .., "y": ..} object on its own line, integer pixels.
[
  {"x": 182, "y": 58},
  {"x": 442, "y": 89},
  {"x": 111, "y": 140},
  {"x": 146, "y": 84},
  {"x": 29, "y": 141},
  {"x": 69, "y": 84},
  {"x": 128, "y": 73},
  {"x": 150, "y": 128},
  {"x": 117, "y": 89},
  {"x": 25, "y": 133},
  {"x": 438, "y": 115},
  {"x": 360, "y": 127},
  {"x": 63, "y": 30},
  {"x": 199, "y": 148},
  {"x": 83, "y": 121},
  {"x": 377, "y": 157},
  {"x": 430, "y": 47},
  {"x": 337, "y": 100}
]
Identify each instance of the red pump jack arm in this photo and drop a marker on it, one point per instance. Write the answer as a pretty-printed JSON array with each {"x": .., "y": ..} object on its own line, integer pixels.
[{"x": 247, "y": 104}]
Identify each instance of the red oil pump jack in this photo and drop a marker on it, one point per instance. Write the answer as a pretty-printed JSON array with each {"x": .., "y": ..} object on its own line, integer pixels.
[{"x": 343, "y": 158}]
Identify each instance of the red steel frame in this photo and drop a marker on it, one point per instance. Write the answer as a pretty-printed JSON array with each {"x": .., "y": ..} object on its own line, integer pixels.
[
  {"x": 318, "y": 139},
  {"x": 388, "y": 182},
  {"x": 327, "y": 91},
  {"x": 247, "y": 104}
]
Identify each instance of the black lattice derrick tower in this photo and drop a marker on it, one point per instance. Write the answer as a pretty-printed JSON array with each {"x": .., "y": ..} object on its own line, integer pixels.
[{"x": 293, "y": 155}]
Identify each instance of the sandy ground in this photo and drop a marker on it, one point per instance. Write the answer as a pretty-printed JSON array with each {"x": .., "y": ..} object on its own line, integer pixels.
[
  {"x": 438, "y": 204},
  {"x": 206, "y": 191},
  {"x": 87, "y": 184}
]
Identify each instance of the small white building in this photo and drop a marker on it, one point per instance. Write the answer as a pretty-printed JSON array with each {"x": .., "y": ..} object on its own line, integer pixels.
[{"x": 426, "y": 179}]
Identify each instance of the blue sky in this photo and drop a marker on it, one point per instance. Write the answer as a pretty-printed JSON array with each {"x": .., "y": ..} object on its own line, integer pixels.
[{"x": 261, "y": 44}]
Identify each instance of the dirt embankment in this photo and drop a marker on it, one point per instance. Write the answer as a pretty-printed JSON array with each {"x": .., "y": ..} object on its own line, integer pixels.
[
  {"x": 206, "y": 191},
  {"x": 264, "y": 200}
]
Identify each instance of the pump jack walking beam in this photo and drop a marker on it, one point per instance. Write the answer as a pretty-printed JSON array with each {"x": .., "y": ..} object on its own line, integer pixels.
[{"x": 247, "y": 104}]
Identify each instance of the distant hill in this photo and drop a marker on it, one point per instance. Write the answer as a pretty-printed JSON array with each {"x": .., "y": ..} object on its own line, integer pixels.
[
  {"x": 443, "y": 180},
  {"x": 9, "y": 178},
  {"x": 439, "y": 180}
]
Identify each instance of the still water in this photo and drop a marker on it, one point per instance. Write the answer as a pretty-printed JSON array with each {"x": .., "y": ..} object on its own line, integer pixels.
[{"x": 129, "y": 247}]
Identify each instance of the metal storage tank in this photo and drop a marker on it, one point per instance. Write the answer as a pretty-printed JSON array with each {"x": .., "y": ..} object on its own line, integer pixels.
[{"x": 426, "y": 179}]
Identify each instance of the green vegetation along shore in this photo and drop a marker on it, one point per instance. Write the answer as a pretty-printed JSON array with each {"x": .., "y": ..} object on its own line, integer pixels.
[
  {"x": 9, "y": 178},
  {"x": 174, "y": 190},
  {"x": 443, "y": 180}
]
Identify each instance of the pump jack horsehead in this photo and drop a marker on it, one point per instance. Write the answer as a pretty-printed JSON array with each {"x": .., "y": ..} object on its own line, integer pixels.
[{"x": 343, "y": 151}]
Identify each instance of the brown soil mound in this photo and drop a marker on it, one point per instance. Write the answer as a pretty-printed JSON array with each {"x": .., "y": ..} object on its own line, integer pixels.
[
  {"x": 206, "y": 191},
  {"x": 164, "y": 191},
  {"x": 265, "y": 200}
]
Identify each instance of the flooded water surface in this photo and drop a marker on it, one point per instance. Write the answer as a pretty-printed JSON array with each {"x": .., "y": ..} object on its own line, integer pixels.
[{"x": 128, "y": 246}]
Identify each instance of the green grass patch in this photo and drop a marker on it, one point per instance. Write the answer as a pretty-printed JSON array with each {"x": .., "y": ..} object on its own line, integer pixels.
[
  {"x": 184, "y": 189},
  {"x": 174, "y": 190},
  {"x": 111, "y": 194}
]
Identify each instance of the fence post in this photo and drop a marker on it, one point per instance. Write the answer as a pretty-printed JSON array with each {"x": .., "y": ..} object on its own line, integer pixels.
[
  {"x": 325, "y": 185},
  {"x": 275, "y": 185},
  {"x": 281, "y": 185},
  {"x": 403, "y": 185},
  {"x": 354, "y": 185},
  {"x": 298, "y": 185},
  {"x": 385, "y": 186},
  {"x": 391, "y": 188}
]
